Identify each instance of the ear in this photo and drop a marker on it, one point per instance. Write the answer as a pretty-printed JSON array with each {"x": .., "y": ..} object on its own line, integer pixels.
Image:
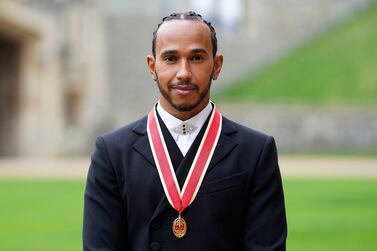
[
  {"x": 152, "y": 67},
  {"x": 218, "y": 63}
]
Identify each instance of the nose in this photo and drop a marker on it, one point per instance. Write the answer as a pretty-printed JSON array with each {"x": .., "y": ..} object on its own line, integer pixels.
[{"x": 184, "y": 72}]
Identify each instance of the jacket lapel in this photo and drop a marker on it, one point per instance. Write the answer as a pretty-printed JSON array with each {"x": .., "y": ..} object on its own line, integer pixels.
[
  {"x": 143, "y": 148},
  {"x": 225, "y": 144},
  {"x": 142, "y": 145}
]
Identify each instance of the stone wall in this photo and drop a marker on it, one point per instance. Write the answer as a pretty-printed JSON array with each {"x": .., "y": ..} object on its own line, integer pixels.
[{"x": 313, "y": 128}]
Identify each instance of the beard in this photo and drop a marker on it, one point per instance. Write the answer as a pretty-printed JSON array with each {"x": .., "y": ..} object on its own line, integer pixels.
[{"x": 186, "y": 105}]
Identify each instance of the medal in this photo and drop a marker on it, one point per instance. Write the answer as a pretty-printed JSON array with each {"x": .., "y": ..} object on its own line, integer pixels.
[
  {"x": 181, "y": 199},
  {"x": 179, "y": 227}
]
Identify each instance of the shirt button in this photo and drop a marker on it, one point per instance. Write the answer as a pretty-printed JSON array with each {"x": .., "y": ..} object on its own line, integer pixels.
[
  {"x": 155, "y": 246},
  {"x": 156, "y": 224}
]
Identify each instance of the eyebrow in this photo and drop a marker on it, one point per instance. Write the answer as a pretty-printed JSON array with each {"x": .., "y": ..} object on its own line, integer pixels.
[
  {"x": 172, "y": 52},
  {"x": 169, "y": 52},
  {"x": 199, "y": 51}
]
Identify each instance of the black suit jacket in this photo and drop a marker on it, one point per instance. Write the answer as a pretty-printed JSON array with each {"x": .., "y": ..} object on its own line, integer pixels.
[{"x": 240, "y": 205}]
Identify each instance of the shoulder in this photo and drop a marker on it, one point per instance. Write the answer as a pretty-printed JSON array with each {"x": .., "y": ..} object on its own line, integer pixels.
[
  {"x": 250, "y": 142},
  {"x": 252, "y": 146},
  {"x": 246, "y": 134},
  {"x": 125, "y": 134}
]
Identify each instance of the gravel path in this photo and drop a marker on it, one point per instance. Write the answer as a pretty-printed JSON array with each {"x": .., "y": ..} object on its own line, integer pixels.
[{"x": 290, "y": 165}]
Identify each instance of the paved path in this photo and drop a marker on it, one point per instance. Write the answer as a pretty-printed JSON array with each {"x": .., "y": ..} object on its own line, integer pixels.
[
  {"x": 56, "y": 168},
  {"x": 290, "y": 165},
  {"x": 328, "y": 166}
]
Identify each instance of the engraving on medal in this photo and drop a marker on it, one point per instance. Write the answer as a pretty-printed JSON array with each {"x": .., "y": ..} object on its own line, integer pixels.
[{"x": 179, "y": 227}]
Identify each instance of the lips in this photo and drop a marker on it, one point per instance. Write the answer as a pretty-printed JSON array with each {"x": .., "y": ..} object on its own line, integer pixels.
[{"x": 184, "y": 88}]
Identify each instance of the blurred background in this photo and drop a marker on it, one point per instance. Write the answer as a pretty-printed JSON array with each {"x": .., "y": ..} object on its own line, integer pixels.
[{"x": 303, "y": 71}]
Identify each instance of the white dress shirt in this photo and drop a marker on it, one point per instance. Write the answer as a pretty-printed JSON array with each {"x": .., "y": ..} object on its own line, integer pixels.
[{"x": 184, "y": 132}]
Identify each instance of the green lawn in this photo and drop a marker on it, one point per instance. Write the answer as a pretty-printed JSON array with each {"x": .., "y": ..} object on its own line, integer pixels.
[
  {"x": 41, "y": 215},
  {"x": 322, "y": 215},
  {"x": 336, "y": 67},
  {"x": 332, "y": 215}
]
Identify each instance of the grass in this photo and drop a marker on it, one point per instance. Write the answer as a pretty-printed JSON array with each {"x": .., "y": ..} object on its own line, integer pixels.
[
  {"x": 322, "y": 215},
  {"x": 338, "y": 66},
  {"x": 331, "y": 214},
  {"x": 41, "y": 215}
]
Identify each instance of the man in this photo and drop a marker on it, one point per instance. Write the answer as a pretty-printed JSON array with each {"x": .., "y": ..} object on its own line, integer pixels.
[{"x": 184, "y": 177}]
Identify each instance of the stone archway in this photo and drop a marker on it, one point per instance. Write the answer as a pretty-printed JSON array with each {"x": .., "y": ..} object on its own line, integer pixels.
[
  {"x": 9, "y": 93},
  {"x": 30, "y": 87}
]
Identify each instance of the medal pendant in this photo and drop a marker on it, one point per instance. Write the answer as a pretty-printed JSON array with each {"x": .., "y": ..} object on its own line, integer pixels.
[{"x": 179, "y": 227}]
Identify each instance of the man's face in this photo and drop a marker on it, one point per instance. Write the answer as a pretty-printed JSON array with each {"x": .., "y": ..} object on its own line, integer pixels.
[{"x": 184, "y": 66}]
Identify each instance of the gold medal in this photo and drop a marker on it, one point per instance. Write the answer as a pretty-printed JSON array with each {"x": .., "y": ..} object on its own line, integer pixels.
[{"x": 179, "y": 227}]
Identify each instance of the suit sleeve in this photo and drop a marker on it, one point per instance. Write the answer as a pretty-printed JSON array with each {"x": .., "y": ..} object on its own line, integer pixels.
[
  {"x": 105, "y": 223},
  {"x": 266, "y": 226}
]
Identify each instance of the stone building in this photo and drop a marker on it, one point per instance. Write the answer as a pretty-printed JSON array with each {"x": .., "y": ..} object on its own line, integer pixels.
[
  {"x": 71, "y": 69},
  {"x": 52, "y": 75}
]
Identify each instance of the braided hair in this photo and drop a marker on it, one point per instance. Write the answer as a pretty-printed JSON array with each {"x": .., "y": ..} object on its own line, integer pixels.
[{"x": 190, "y": 15}]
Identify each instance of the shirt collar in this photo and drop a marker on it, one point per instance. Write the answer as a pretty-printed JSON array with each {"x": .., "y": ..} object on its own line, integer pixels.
[{"x": 172, "y": 122}]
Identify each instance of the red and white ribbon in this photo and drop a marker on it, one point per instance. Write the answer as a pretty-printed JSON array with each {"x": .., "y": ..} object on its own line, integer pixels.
[{"x": 181, "y": 199}]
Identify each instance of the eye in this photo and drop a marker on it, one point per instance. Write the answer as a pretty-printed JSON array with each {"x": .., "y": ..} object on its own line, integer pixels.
[
  {"x": 170, "y": 59},
  {"x": 197, "y": 58}
]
